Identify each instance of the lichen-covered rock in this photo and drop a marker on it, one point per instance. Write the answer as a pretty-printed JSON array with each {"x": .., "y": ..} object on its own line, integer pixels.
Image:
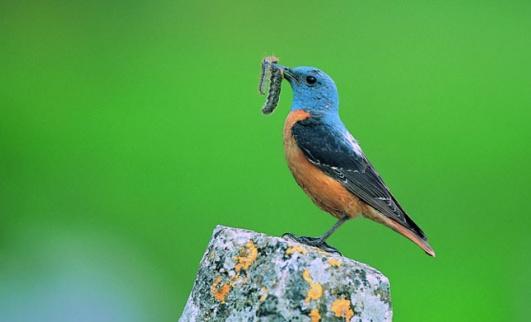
[{"x": 247, "y": 276}]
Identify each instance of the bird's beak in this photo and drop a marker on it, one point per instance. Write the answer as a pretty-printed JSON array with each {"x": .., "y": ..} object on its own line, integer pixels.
[{"x": 288, "y": 74}]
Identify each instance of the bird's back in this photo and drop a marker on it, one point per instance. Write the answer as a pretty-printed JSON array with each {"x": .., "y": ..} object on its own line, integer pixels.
[
  {"x": 341, "y": 169},
  {"x": 324, "y": 190}
]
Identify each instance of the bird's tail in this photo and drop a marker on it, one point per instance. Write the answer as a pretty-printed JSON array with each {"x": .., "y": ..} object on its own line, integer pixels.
[{"x": 421, "y": 241}]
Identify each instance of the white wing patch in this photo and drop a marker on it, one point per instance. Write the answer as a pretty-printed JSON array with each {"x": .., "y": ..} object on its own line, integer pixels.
[{"x": 355, "y": 146}]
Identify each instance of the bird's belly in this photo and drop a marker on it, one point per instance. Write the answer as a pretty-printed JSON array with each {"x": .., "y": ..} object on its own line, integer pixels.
[{"x": 325, "y": 191}]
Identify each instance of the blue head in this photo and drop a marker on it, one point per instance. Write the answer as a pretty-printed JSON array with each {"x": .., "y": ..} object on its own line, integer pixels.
[{"x": 313, "y": 91}]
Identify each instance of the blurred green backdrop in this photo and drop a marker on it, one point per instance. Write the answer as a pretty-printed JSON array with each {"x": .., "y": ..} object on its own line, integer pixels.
[{"x": 129, "y": 129}]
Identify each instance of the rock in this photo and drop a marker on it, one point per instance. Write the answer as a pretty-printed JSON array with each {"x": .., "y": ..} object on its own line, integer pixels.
[{"x": 248, "y": 276}]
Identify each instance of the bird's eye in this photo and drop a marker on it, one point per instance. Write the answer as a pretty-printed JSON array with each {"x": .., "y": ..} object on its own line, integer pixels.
[{"x": 311, "y": 80}]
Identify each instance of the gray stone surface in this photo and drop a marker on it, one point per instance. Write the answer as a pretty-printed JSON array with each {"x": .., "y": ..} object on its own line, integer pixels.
[{"x": 247, "y": 276}]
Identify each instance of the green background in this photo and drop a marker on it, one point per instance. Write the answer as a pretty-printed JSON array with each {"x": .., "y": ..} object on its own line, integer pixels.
[{"x": 129, "y": 129}]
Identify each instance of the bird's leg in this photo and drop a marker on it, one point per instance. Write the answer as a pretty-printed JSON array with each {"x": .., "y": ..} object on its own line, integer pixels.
[
  {"x": 330, "y": 231},
  {"x": 320, "y": 241}
]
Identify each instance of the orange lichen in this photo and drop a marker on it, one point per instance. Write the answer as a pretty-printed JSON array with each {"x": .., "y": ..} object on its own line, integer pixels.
[
  {"x": 341, "y": 308},
  {"x": 334, "y": 262},
  {"x": 316, "y": 290},
  {"x": 295, "y": 249},
  {"x": 219, "y": 290},
  {"x": 247, "y": 257},
  {"x": 315, "y": 316}
]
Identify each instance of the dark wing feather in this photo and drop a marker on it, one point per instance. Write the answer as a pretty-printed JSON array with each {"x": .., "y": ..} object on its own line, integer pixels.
[{"x": 332, "y": 152}]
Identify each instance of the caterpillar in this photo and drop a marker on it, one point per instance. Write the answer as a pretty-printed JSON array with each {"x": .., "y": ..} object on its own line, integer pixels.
[{"x": 270, "y": 78}]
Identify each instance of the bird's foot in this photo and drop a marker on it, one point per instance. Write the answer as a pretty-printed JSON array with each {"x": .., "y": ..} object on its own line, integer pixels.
[{"x": 312, "y": 241}]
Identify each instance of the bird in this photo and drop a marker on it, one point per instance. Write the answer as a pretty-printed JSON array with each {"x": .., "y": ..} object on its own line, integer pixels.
[{"x": 329, "y": 165}]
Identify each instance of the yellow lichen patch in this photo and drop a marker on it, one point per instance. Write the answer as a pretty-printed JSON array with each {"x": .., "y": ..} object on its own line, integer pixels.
[
  {"x": 295, "y": 249},
  {"x": 316, "y": 290},
  {"x": 315, "y": 316},
  {"x": 264, "y": 292},
  {"x": 341, "y": 309},
  {"x": 334, "y": 262},
  {"x": 219, "y": 290},
  {"x": 247, "y": 257}
]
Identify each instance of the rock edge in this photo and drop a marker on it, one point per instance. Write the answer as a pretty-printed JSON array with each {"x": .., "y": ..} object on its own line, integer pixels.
[{"x": 249, "y": 276}]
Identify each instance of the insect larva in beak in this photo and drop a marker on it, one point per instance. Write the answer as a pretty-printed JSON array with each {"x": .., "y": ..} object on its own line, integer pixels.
[
  {"x": 274, "y": 90},
  {"x": 270, "y": 81},
  {"x": 265, "y": 76}
]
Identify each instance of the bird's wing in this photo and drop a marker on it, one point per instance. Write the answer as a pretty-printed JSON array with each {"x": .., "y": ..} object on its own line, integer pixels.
[{"x": 339, "y": 156}]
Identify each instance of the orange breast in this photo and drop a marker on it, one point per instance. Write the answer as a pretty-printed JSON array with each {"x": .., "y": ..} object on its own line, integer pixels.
[{"x": 325, "y": 191}]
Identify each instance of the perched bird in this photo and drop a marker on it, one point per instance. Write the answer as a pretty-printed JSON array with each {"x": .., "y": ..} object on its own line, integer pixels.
[{"x": 329, "y": 165}]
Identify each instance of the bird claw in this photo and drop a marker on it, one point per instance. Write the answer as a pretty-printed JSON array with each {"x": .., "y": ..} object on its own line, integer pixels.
[{"x": 312, "y": 241}]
